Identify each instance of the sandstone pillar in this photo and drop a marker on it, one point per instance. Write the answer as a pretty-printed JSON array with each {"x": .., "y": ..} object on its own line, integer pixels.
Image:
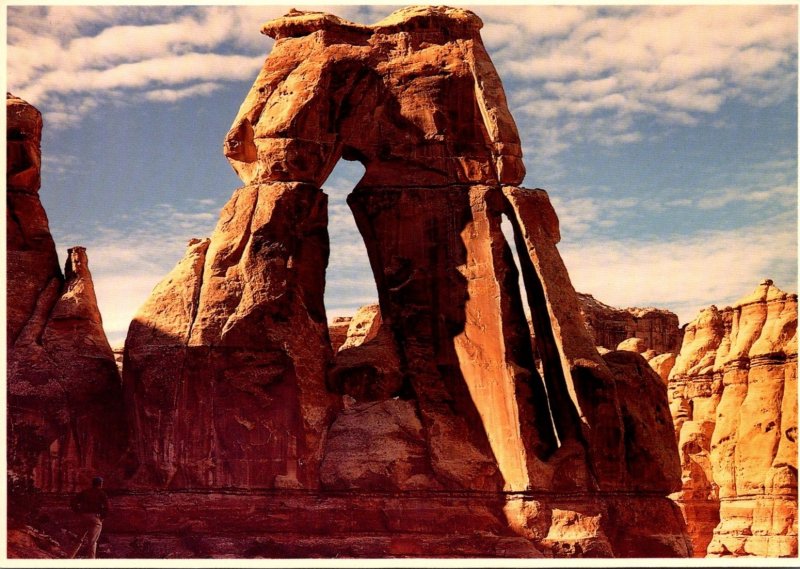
[
  {"x": 65, "y": 416},
  {"x": 733, "y": 398}
]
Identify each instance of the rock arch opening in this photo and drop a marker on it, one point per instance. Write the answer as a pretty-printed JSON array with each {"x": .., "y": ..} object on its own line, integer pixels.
[{"x": 349, "y": 283}]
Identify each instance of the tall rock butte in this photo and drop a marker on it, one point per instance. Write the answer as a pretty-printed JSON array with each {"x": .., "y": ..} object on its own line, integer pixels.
[
  {"x": 65, "y": 414},
  {"x": 227, "y": 364},
  {"x": 733, "y": 394}
]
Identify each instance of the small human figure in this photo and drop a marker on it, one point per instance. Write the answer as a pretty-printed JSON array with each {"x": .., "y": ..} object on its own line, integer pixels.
[{"x": 92, "y": 506}]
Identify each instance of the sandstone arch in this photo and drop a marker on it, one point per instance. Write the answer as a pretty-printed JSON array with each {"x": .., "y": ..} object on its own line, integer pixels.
[{"x": 227, "y": 365}]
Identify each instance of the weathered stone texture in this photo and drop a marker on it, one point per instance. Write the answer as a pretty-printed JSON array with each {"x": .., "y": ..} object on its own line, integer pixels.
[
  {"x": 225, "y": 364},
  {"x": 64, "y": 394},
  {"x": 734, "y": 402},
  {"x": 658, "y": 329},
  {"x": 337, "y": 330},
  {"x": 229, "y": 370},
  {"x": 437, "y": 425},
  {"x": 363, "y": 327}
]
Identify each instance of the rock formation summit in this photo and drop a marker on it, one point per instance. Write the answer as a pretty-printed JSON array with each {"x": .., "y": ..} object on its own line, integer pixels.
[{"x": 228, "y": 365}]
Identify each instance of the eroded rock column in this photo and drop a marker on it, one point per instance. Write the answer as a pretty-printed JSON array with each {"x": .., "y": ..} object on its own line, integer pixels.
[
  {"x": 733, "y": 398},
  {"x": 66, "y": 421}
]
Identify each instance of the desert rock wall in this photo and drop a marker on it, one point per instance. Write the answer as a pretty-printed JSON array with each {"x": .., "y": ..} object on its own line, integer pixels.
[
  {"x": 733, "y": 397},
  {"x": 658, "y": 329}
]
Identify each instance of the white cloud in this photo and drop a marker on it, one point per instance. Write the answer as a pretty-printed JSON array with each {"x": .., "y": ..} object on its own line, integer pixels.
[
  {"x": 169, "y": 70},
  {"x": 676, "y": 64},
  {"x": 785, "y": 195},
  {"x": 686, "y": 273},
  {"x": 173, "y": 95},
  {"x": 126, "y": 55}
]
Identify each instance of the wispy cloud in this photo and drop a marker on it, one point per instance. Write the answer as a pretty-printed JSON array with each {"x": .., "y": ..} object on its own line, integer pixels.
[
  {"x": 684, "y": 273},
  {"x": 785, "y": 195},
  {"x": 173, "y": 95},
  {"x": 610, "y": 67},
  {"x": 66, "y": 60}
]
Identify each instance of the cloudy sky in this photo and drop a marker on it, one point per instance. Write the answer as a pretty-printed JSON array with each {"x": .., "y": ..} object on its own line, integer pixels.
[{"x": 666, "y": 137}]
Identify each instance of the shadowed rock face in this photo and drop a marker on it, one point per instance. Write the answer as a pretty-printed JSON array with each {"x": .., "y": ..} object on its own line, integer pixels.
[
  {"x": 733, "y": 396},
  {"x": 229, "y": 374},
  {"x": 64, "y": 395}
]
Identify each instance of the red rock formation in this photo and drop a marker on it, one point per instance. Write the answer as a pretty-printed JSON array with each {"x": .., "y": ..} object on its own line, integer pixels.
[
  {"x": 338, "y": 331},
  {"x": 659, "y": 329},
  {"x": 363, "y": 327},
  {"x": 734, "y": 402},
  {"x": 223, "y": 388},
  {"x": 229, "y": 370},
  {"x": 64, "y": 395}
]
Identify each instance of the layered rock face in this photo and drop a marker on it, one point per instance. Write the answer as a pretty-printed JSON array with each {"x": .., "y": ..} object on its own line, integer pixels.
[
  {"x": 733, "y": 393},
  {"x": 658, "y": 329},
  {"x": 65, "y": 415},
  {"x": 229, "y": 372}
]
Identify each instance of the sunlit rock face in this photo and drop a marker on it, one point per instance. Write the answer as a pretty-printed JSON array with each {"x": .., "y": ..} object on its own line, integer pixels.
[
  {"x": 652, "y": 332},
  {"x": 230, "y": 377},
  {"x": 65, "y": 415},
  {"x": 657, "y": 329},
  {"x": 733, "y": 396}
]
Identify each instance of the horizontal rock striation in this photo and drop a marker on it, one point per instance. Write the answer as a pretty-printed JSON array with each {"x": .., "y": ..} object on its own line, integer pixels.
[{"x": 733, "y": 394}]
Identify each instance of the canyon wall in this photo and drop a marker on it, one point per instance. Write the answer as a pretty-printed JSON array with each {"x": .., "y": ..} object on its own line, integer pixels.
[
  {"x": 65, "y": 415},
  {"x": 658, "y": 329},
  {"x": 733, "y": 395}
]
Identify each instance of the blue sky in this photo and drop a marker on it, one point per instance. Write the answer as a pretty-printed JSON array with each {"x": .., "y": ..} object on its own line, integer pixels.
[{"x": 666, "y": 137}]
